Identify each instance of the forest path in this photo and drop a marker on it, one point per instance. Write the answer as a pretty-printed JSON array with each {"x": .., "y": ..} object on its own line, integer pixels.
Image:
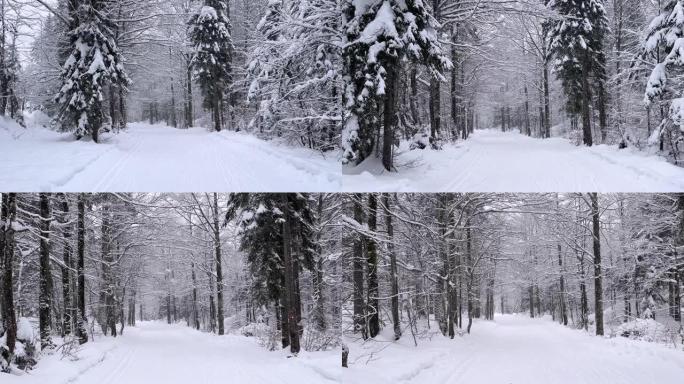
[
  {"x": 155, "y": 158},
  {"x": 515, "y": 349},
  {"x": 494, "y": 161},
  {"x": 155, "y": 352}
]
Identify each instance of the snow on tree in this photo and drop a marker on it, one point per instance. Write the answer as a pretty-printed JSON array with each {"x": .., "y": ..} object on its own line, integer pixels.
[
  {"x": 380, "y": 34},
  {"x": 212, "y": 56},
  {"x": 664, "y": 44},
  {"x": 576, "y": 42},
  {"x": 294, "y": 73},
  {"x": 94, "y": 62}
]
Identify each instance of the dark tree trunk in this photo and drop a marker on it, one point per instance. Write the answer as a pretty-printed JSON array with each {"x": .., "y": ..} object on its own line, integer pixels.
[
  {"x": 389, "y": 114},
  {"x": 414, "y": 96},
  {"x": 394, "y": 279},
  {"x": 219, "y": 269},
  {"x": 587, "y": 137},
  {"x": 357, "y": 271},
  {"x": 563, "y": 311},
  {"x": 45, "y": 300},
  {"x": 195, "y": 314},
  {"x": 8, "y": 212},
  {"x": 80, "y": 277},
  {"x": 598, "y": 278},
  {"x": 67, "y": 314},
  {"x": 189, "y": 118},
  {"x": 602, "y": 109},
  {"x": 290, "y": 275},
  {"x": 372, "y": 269}
]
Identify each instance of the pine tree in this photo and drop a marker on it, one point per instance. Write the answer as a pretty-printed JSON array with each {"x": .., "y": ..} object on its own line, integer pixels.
[
  {"x": 576, "y": 42},
  {"x": 276, "y": 234},
  {"x": 94, "y": 61},
  {"x": 379, "y": 35},
  {"x": 664, "y": 44},
  {"x": 213, "y": 50}
]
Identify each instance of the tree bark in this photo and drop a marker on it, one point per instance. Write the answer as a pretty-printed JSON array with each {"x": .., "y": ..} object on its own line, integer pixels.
[
  {"x": 45, "y": 300},
  {"x": 8, "y": 212},
  {"x": 290, "y": 283},
  {"x": 372, "y": 269},
  {"x": 598, "y": 278},
  {"x": 67, "y": 318},
  {"x": 393, "y": 267},
  {"x": 389, "y": 114},
  {"x": 80, "y": 277},
  {"x": 357, "y": 271},
  {"x": 219, "y": 268}
]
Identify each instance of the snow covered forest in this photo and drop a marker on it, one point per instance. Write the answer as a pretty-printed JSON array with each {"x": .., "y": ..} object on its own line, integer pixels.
[
  {"x": 80, "y": 270},
  {"x": 447, "y": 288},
  {"x": 391, "y": 89}
]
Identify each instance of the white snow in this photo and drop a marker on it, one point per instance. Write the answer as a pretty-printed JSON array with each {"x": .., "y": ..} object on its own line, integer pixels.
[
  {"x": 513, "y": 349},
  {"x": 155, "y": 158},
  {"x": 493, "y": 161},
  {"x": 154, "y": 352}
]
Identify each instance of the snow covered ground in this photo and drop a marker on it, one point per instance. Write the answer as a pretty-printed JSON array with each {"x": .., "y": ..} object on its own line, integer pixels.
[
  {"x": 514, "y": 349},
  {"x": 157, "y": 158},
  {"x": 494, "y": 161},
  {"x": 154, "y": 352}
]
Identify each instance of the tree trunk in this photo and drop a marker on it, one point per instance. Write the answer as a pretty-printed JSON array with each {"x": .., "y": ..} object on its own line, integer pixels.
[
  {"x": 45, "y": 300},
  {"x": 547, "y": 102},
  {"x": 394, "y": 279},
  {"x": 598, "y": 278},
  {"x": 389, "y": 114},
  {"x": 8, "y": 212},
  {"x": 80, "y": 277},
  {"x": 372, "y": 269},
  {"x": 290, "y": 283},
  {"x": 357, "y": 271},
  {"x": 195, "y": 315},
  {"x": 219, "y": 270},
  {"x": 67, "y": 318},
  {"x": 189, "y": 118}
]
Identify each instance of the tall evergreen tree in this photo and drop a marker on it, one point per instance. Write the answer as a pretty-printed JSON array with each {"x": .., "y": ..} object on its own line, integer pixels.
[
  {"x": 93, "y": 62},
  {"x": 380, "y": 34},
  {"x": 576, "y": 42},
  {"x": 277, "y": 236},
  {"x": 213, "y": 50}
]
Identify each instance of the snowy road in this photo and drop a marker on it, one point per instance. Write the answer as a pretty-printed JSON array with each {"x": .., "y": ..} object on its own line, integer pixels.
[
  {"x": 517, "y": 350},
  {"x": 161, "y": 159},
  {"x": 155, "y": 352},
  {"x": 493, "y": 161}
]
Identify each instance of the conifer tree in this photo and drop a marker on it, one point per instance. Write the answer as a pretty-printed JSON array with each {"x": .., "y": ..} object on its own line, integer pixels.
[
  {"x": 380, "y": 34},
  {"x": 576, "y": 42},
  {"x": 664, "y": 44},
  {"x": 277, "y": 236},
  {"x": 93, "y": 62},
  {"x": 211, "y": 60}
]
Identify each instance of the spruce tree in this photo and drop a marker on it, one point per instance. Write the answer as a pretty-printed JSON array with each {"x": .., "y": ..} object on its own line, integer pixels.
[
  {"x": 576, "y": 42},
  {"x": 94, "y": 61},
  {"x": 664, "y": 44},
  {"x": 380, "y": 34},
  {"x": 213, "y": 47},
  {"x": 277, "y": 237}
]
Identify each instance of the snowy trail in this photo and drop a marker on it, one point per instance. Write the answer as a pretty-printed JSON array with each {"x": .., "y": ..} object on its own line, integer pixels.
[
  {"x": 517, "y": 350},
  {"x": 162, "y": 159},
  {"x": 493, "y": 161},
  {"x": 154, "y": 352}
]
